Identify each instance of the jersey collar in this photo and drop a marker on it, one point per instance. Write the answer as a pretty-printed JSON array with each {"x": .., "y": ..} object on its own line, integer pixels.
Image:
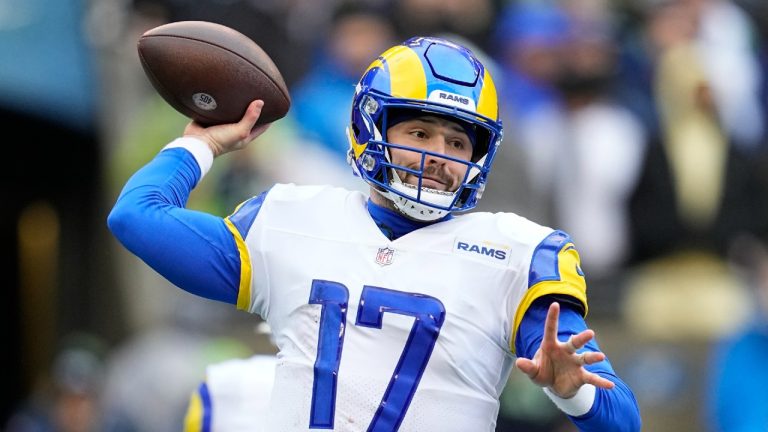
[{"x": 393, "y": 224}]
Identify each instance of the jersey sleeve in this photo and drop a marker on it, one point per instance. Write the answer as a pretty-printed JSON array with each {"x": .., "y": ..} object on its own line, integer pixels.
[
  {"x": 555, "y": 270},
  {"x": 239, "y": 224},
  {"x": 198, "y": 415},
  {"x": 195, "y": 251}
]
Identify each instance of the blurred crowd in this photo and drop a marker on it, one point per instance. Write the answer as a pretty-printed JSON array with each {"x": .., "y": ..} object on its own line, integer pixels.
[{"x": 640, "y": 127}]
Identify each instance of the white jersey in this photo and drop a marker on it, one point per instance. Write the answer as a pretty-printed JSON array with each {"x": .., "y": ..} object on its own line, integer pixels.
[
  {"x": 234, "y": 396},
  {"x": 414, "y": 334}
]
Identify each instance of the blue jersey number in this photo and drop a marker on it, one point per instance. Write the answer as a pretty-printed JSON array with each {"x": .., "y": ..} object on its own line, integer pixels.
[
  {"x": 428, "y": 313},
  {"x": 333, "y": 296}
]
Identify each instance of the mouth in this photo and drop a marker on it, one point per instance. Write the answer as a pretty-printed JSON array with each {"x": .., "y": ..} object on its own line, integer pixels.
[
  {"x": 431, "y": 179},
  {"x": 426, "y": 188},
  {"x": 433, "y": 183}
]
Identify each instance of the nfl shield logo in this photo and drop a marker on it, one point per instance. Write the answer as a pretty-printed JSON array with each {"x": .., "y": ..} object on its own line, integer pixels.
[{"x": 384, "y": 256}]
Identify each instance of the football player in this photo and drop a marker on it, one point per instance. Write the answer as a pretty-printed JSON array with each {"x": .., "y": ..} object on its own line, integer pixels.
[
  {"x": 397, "y": 310},
  {"x": 233, "y": 397}
]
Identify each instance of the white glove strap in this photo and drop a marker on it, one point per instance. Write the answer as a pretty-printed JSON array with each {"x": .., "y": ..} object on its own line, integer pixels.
[
  {"x": 199, "y": 149},
  {"x": 577, "y": 405}
]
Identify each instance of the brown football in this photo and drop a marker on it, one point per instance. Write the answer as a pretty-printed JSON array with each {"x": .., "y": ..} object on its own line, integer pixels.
[{"x": 210, "y": 72}]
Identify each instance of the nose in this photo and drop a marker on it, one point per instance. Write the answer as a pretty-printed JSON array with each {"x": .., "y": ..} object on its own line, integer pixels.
[{"x": 438, "y": 145}]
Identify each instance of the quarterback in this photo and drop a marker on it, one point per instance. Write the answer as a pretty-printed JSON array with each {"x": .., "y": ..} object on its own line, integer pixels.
[{"x": 400, "y": 310}]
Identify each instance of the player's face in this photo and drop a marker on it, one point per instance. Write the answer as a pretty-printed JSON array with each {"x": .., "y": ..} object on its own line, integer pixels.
[{"x": 436, "y": 135}]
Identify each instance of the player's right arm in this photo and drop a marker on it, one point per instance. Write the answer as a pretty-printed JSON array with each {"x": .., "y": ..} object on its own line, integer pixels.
[{"x": 193, "y": 250}]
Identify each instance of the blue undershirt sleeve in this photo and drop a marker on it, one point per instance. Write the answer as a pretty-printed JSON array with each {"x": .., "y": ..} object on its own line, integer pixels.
[
  {"x": 193, "y": 250},
  {"x": 613, "y": 410}
]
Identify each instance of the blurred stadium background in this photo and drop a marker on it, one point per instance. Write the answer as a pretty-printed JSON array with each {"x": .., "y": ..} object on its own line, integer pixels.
[{"x": 638, "y": 126}]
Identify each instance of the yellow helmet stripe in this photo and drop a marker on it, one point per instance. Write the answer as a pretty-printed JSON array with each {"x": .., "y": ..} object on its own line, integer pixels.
[
  {"x": 487, "y": 103},
  {"x": 406, "y": 73},
  {"x": 376, "y": 63},
  {"x": 357, "y": 148}
]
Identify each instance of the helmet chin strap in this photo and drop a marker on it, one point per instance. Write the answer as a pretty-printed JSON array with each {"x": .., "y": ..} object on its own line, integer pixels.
[{"x": 412, "y": 208}]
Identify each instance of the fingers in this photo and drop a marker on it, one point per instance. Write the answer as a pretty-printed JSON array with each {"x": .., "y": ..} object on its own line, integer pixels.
[
  {"x": 598, "y": 381},
  {"x": 193, "y": 128},
  {"x": 581, "y": 359},
  {"x": 252, "y": 113},
  {"x": 550, "y": 325},
  {"x": 581, "y": 339},
  {"x": 257, "y": 131},
  {"x": 570, "y": 346},
  {"x": 590, "y": 357},
  {"x": 528, "y": 367},
  {"x": 577, "y": 341},
  {"x": 594, "y": 357},
  {"x": 246, "y": 126}
]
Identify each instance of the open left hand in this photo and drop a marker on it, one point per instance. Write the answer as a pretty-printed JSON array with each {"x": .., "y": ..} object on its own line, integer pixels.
[{"x": 557, "y": 365}]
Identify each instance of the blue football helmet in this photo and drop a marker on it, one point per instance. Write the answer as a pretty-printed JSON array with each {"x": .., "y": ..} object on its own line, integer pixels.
[{"x": 424, "y": 76}]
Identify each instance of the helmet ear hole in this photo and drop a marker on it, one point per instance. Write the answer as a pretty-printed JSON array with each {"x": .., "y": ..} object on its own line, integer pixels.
[
  {"x": 356, "y": 130},
  {"x": 482, "y": 144}
]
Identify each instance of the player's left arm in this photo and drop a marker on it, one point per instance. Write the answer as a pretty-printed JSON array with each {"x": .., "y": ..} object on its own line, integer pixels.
[{"x": 557, "y": 350}]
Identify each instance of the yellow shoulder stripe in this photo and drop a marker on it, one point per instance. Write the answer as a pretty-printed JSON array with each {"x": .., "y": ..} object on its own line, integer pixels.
[{"x": 244, "y": 291}]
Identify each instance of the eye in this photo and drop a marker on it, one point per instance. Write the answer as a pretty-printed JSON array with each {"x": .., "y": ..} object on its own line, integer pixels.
[
  {"x": 418, "y": 133},
  {"x": 457, "y": 144}
]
